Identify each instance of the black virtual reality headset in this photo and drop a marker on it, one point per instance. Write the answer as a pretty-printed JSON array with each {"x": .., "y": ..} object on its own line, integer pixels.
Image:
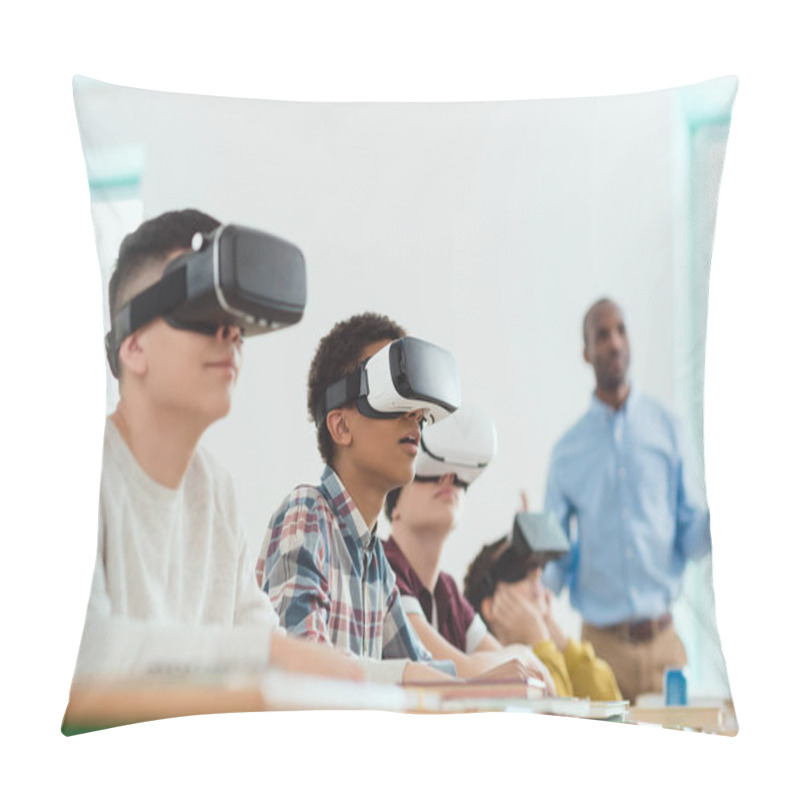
[
  {"x": 534, "y": 540},
  {"x": 233, "y": 276},
  {"x": 463, "y": 444},
  {"x": 407, "y": 375}
]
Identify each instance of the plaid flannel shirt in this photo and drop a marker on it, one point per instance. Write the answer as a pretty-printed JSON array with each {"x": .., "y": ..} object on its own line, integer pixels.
[{"x": 328, "y": 578}]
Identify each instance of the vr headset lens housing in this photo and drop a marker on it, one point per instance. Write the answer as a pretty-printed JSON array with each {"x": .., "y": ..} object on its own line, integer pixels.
[
  {"x": 407, "y": 375},
  {"x": 435, "y": 479},
  {"x": 234, "y": 276},
  {"x": 463, "y": 444},
  {"x": 535, "y": 540}
]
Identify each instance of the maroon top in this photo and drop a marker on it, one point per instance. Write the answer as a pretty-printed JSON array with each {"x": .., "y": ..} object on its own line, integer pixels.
[{"x": 453, "y": 611}]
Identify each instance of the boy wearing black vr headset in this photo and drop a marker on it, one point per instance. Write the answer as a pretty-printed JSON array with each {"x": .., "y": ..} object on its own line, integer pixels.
[
  {"x": 423, "y": 513},
  {"x": 173, "y": 588},
  {"x": 504, "y": 585},
  {"x": 322, "y": 564}
]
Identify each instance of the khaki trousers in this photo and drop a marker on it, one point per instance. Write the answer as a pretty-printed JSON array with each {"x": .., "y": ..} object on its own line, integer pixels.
[{"x": 638, "y": 666}]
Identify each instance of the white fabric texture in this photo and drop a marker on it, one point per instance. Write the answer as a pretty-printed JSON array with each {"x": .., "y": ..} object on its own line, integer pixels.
[
  {"x": 173, "y": 587},
  {"x": 476, "y": 633}
]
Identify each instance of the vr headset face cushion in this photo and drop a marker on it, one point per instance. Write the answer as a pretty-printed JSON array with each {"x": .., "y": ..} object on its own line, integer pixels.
[{"x": 486, "y": 227}]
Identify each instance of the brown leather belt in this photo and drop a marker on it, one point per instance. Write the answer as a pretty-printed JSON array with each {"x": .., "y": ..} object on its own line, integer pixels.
[{"x": 642, "y": 630}]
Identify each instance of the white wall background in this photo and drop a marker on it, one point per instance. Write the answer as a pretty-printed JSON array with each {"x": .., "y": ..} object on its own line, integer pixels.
[
  {"x": 53, "y": 381},
  {"x": 487, "y": 228}
]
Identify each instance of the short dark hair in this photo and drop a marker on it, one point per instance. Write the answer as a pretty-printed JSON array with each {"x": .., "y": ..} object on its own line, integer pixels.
[
  {"x": 152, "y": 241},
  {"x": 337, "y": 355},
  {"x": 588, "y": 315},
  {"x": 478, "y": 582}
]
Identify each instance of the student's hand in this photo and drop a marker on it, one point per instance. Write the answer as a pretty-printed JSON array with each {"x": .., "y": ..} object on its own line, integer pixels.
[
  {"x": 515, "y": 671},
  {"x": 545, "y": 603},
  {"x": 556, "y": 634},
  {"x": 514, "y": 619},
  {"x": 526, "y": 655},
  {"x": 524, "y": 500},
  {"x": 312, "y": 658}
]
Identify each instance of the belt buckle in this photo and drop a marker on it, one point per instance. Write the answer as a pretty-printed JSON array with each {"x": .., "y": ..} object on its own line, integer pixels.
[
  {"x": 641, "y": 631},
  {"x": 646, "y": 629}
]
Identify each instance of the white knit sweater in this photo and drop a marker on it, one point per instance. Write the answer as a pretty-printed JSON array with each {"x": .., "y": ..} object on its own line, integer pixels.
[{"x": 173, "y": 587}]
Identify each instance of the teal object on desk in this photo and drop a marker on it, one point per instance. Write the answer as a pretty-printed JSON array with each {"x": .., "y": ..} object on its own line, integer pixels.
[{"x": 675, "y": 690}]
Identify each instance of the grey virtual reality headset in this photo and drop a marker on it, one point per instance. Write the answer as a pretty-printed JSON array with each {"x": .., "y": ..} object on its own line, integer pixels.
[
  {"x": 534, "y": 540},
  {"x": 233, "y": 276},
  {"x": 406, "y": 375},
  {"x": 463, "y": 444}
]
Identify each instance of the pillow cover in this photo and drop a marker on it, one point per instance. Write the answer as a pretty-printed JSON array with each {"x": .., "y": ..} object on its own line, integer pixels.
[{"x": 489, "y": 228}]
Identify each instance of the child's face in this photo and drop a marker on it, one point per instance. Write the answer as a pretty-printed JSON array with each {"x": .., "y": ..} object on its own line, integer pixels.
[
  {"x": 530, "y": 587},
  {"x": 190, "y": 372},
  {"x": 435, "y": 505},
  {"x": 384, "y": 450},
  {"x": 185, "y": 371}
]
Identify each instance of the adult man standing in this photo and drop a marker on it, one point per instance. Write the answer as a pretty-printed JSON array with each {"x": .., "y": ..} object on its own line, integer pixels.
[{"x": 618, "y": 472}]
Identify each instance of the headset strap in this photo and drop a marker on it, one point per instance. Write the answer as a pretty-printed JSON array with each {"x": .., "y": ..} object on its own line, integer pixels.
[
  {"x": 155, "y": 301},
  {"x": 343, "y": 391}
]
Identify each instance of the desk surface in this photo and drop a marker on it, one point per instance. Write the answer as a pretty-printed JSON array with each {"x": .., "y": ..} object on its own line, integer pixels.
[
  {"x": 112, "y": 703},
  {"x": 105, "y": 704},
  {"x": 707, "y": 716},
  {"x": 109, "y": 705}
]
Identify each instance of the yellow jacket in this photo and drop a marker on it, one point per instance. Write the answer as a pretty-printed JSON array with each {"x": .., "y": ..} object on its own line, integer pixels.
[{"x": 578, "y": 672}]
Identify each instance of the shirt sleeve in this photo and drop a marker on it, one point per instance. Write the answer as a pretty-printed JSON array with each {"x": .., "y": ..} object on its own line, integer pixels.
[
  {"x": 411, "y": 605},
  {"x": 693, "y": 530},
  {"x": 557, "y": 573},
  {"x": 119, "y": 647},
  {"x": 252, "y": 605},
  {"x": 475, "y": 634},
  {"x": 113, "y": 646},
  {"x": 400, "y": 640},
  {"x": 377, "y": 670},
  {"x": 547, "y": 652},
  {"x": 99, "y": 602},
  {"x": 591, "y": 676},
  {"x": 296, "y": 568}
]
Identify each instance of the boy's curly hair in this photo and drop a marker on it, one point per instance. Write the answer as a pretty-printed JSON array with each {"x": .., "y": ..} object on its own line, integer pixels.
[{"x": 338, "y": 354}]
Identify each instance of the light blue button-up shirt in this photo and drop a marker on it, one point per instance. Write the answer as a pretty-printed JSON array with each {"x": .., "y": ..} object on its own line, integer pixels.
[{"x": 619, "y": 476}]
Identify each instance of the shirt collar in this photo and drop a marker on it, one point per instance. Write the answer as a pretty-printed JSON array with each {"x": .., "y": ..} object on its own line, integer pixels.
[
  {"x": 349, "y": 517},
  {"x": 599, "y": 407},
  {"x": 403, "y": 566}
]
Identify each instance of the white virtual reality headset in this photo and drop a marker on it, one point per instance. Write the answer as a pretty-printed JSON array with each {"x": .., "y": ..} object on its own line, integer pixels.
[
  {"x": 463, "y": 444},
  {"x": 407, "y": 375}
]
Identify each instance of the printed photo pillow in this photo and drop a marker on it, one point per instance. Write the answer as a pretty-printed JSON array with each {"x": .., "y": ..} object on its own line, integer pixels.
[{"x": 558, "y": 251}]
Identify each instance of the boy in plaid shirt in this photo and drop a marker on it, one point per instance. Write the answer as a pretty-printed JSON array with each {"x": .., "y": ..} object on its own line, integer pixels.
[{"x": 322, "y": 563}]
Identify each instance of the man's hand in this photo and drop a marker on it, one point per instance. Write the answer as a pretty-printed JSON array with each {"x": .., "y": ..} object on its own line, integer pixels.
[{"x": 312, "y": 658}]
